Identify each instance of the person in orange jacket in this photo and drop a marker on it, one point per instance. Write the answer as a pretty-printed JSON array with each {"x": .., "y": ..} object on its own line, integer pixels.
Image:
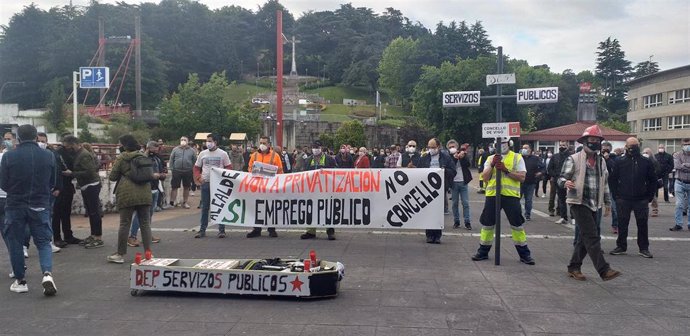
[{"x": 265, "y": 154}]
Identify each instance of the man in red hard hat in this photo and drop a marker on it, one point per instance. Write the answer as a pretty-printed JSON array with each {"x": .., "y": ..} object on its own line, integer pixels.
[{"x": 585, "y": 177}]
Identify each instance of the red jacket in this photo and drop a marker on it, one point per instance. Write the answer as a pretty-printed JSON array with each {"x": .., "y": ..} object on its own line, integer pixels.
[{"x": 362, "y": 162}]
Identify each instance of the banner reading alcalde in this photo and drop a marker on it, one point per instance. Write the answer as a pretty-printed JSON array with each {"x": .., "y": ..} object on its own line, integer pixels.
[{"x": 330, "y": 198}]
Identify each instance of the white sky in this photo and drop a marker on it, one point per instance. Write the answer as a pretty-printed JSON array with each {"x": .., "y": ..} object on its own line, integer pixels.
[{"x": 561, "y": 33}]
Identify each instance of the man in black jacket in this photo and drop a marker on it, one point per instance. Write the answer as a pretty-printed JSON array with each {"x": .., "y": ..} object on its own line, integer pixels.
[
  {"x": 535, "y": 170},
  {"x": 634, "y": 186},
  {"x": 461, "y": 182},
  {"x": 438, "y": 159},
  {"x": 610, "y": 158},
  {"x": 411, "y": 157},
  {"x": 554, "y": 171},
  {"x": 666, "y": 165}
]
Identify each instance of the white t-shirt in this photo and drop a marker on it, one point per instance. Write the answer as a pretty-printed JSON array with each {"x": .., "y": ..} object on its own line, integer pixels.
[{"x": 207, "y": 159}]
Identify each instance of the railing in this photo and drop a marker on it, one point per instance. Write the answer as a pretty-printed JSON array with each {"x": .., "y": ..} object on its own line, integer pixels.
[{"x": 105, "y": 111}]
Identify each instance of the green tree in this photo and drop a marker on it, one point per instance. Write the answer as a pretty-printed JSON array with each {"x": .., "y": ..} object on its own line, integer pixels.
[
  {"x": 56, "y": 107},
  {"x": 351, "y": 133},
  {"x": 646, "y": 68},
  {"x": 612, "y": 70},
  {"x": 399, "y": 68}
]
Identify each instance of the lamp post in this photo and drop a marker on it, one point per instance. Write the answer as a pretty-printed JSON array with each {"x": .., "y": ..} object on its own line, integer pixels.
[{"x": 2, "y": 88}]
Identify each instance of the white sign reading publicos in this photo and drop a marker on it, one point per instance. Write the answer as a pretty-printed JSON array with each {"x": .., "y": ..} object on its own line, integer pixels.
[
  {"x": 461, "y": 98},
  {"x": 537, "y": 95},
  {"x": 330, "y": 198}
]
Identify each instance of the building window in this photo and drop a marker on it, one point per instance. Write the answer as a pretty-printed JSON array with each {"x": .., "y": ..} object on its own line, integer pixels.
[
  {"x": 678, "y": 122},
  {"x": 633, "y": 126},
  {"x": 652, "y": 100},
  {"x": 653, "y": 124},
  {"x": 672, "y": 145},
  {"x": 679, "y": 96}
]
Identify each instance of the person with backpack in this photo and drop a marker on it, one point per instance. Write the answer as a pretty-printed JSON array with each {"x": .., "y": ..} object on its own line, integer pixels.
[
  {"x": 133, "y": 173},
  {"x": 152, "y": 150},
  {"x": 265, "y": 155},
  {"x": 86, "y": 172}
]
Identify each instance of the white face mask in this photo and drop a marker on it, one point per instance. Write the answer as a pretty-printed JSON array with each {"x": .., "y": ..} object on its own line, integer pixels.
[
  {"x": 505, "y": 148},
  {"x": 411, "y": 149},
  {"x": 686, "y": 148},
  {"x": 549, "y": 155},
  {"x": 352, "y": 151},
  {"x": 316, "y": 151},
  {"x": 645, "y": 155},
  {"x": 43, "y": 145},
  {"x": 433, "y": 151},
  {"x": 263, "y": 147},
  {"x": 452, "y": 150},
  {"x": 183, "y": 142},
  {"x": 661, "y": 150},
  {"x": 524, "y": 152},
  {"x": 210, "y": 145}
]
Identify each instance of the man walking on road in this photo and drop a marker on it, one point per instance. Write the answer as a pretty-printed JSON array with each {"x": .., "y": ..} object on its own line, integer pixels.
[
  {"x": 681, "y": 163},
  {"x": 585, "y": 177},
  {"x": 666, "y": 166},
  {"x": 535, "y": 170},
  {"x": 513, "y": 173},
  {"x": 634, "y": 185},
  {"x": 27, "y": 175}
]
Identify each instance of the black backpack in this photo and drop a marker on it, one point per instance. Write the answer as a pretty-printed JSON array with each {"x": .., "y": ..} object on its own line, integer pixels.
[{"x": 140, "y": 170}]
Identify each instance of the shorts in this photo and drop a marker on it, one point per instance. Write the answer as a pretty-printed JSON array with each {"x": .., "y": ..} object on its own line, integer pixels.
[{"x": 184, "y": 177}]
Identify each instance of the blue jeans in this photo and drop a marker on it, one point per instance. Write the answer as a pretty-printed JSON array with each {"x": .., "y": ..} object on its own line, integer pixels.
[
  {"x": 205, "y": 206},
  {"x": 460, "y": 189},
  {"x": 527, "y": 191},
  {"x": 135, "y": 222},
  {"x": 614, "y": 213},
  {"x": 682, "y": 193},
  {"x": 14, "y": 232}
]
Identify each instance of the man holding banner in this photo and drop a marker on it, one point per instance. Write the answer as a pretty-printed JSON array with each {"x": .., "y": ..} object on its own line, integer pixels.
[
  {"x": 207, "y": 159},
  {"x": 267, "y": 156},
  {"x": 318, "y": 160},
  {"x": 437, "y": 159},
  {"x": 514, "y": 171}
]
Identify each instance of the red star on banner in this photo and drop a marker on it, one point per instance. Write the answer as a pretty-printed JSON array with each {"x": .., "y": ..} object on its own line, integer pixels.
[{"x": 296, "y": 284}]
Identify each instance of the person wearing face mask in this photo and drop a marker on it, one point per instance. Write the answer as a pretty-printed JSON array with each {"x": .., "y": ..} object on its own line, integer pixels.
[
  {"x": 654, "y": 205},
  {"x": 266, "y": 155},
  {"x": 89, "y": 182},
  {"x": 535, "y": 169},
  {"x": 585, "y": 177},
  {"x": 547, "y": 179},
  {"x": 42, "y": 140},
  {"x": 634, "y": 185},
  {"x": 461, "y": 181},
  {"x": 211, "y": 157},
  {"x": 362, "y": 161},
  {"x": 410, "y": 159},
  {"x": 319, "y": 160},
  {"x": 610, "y": 159},
  {"x": 666, "y": 166},
  {"x": 236, "y": 157},
  {"x": 394, "y": 158},
  {"x": 554, "y": 171},
  {"x": 379, "y": 160},
  {"x": 681, "y": 163},
  {"x": 182, "y": 159},
  {"x": 435, "y": 158},
  {"x": 482, "y": 155},
  {"x": 513, "y": 169},
  {"x": 344, "y": 159},
  {"x": 152, "y": 151}
]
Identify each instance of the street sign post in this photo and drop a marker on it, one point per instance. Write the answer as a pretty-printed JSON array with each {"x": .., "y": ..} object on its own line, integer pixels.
[
  {"x": 500, "y": 79},
  {"x": 498, "y": 130},
  {"x": 94, "y": 77}
]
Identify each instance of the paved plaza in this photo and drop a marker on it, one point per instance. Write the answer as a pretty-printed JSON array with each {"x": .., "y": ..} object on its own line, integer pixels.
[{"x": 395, "y": 284}]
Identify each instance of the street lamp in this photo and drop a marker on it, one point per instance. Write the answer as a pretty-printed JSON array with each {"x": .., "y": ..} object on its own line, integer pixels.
[{"x": 2, "y": 88}]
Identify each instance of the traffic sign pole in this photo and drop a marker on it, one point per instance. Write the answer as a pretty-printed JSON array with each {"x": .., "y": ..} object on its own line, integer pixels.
[
  {"x": 499, "y": 117},
  {"x": 75, "y": 74}
]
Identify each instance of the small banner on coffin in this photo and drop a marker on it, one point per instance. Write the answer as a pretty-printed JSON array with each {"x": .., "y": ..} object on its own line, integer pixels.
[{"x": 330, "y": 198}]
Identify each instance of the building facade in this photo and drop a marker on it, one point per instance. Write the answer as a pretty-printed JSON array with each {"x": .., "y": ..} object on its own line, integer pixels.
[{"x": 659, "y": 108}]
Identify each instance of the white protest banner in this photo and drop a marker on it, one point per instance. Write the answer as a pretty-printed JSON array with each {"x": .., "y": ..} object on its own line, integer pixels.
[{"x": 330, "y": 198}]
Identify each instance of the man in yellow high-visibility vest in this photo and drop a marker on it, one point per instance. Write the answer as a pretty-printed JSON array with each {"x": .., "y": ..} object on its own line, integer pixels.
[{"x": 513, "y": 171}]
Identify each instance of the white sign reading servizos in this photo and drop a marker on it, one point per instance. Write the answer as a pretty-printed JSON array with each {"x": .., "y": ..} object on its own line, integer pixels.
[
  {"x": 537, "y": 95},
  {"x": 461, "y": 98},
  {"x": 501, "y": 130}
]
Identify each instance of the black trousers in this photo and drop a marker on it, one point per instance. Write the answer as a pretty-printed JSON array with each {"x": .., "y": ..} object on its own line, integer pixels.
[
  {"x": 62, "y": 211},
  {"x": 666, "y": 187},
  {"x": 641, "y": 210},
  {"x": 562, "y": 206},
  {"x": 92, "y": 203},
  {"x": 588, "y": 240}
]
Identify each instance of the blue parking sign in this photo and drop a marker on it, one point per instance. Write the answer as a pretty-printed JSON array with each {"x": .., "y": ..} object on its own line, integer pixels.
[{"x": 94, "y": 77}]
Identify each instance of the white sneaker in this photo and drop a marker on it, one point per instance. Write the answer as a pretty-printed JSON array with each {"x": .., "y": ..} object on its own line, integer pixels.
[
  {"x": 543, "y": 196},
  {"x": 671, "y": 195},
  {"x": 19, "y": 287},
  {"x": 54, "y": 248},
  {"x": 186, "y": 206},
  {"x": 26, "y": 252},
  {"x": 572, "y": 221},
  {"x": 191, "y": 193},
  {"x": 11, "y": 275},
  {"x": 116, "y": 258},
  {"x": 49, "y": 288},
  {"x": 561, "y": 221}
]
